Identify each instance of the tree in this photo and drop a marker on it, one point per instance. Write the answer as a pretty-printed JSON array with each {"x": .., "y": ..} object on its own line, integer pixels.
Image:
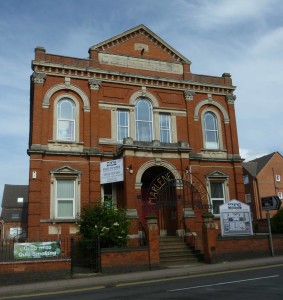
[
  {"x": 277, "y": 222},
  {"x": 108, "y": 223}
]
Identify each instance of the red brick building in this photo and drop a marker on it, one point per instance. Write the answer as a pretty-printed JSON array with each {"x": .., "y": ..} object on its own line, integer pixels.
[
  {"x": 14, "y": 214},
  {"x": 263, "y": 177},
  {"x": 134, "y": 103}
]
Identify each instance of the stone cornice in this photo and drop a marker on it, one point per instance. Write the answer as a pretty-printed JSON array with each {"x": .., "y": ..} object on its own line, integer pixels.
[{"x": 130, "y": 78}]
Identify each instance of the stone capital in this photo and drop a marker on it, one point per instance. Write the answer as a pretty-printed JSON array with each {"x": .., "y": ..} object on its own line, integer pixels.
[
  {"x": 38, "y": 77},
  {"x": 230, "y": 98},
  {"x": 189, "y": 94},
  {"x": 94, "y": 84}
]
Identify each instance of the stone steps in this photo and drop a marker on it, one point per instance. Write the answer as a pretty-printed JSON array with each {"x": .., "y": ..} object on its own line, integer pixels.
[{"x": 173, "y": 251}]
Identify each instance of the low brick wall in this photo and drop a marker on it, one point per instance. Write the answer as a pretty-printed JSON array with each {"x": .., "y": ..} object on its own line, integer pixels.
[
  {"x": 32, "y": 271},
  {"x": 245, "y": 247},
  {"x": 124, "y": 259}
]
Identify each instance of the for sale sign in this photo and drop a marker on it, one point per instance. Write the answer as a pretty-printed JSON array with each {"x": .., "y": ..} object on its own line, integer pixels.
[{"x": 111, "y": 171}]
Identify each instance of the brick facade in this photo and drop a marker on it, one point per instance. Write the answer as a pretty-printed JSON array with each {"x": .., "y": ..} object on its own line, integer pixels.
[
  {"x": 264, "y": 177},
  {"x": 168, "y": 147}
]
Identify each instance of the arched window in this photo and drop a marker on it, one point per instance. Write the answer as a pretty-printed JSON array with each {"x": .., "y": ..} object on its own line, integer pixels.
[
  {"x": 143, "y": 115},
  {"x": 211, "y": 131},
  {"x": 66, "y": 120}
]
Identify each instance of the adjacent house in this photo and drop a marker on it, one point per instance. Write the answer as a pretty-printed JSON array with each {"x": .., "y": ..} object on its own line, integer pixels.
[
  {"x": 130, "y": 126},
  {"x": 14, "y": 213},
  {"x": 263, "y": 177}
]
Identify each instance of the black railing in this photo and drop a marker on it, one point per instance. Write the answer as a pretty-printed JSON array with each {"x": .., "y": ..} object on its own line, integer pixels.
[{"x": 85, "y": 256}]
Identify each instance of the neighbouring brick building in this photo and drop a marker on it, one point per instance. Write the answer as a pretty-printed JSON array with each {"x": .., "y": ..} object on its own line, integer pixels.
[
  {"x": 263, "y": 177},
  {"x": 14, "y": 214},
  {"x": 135, "y": 104}
]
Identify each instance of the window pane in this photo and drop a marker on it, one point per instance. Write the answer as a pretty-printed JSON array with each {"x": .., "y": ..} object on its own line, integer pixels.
[
  {"x": 216, "y": 206},
  {"x": 211, "y": 131},
  {"x": 143, "y": 114},
  {"x": 65, "y": 198},
  {"x": 165, "y": 132},
  {"x": 65, "y": 209},
  {"x": 164, "y": 137},
  {"x": 143, "y": 110},
  {"x": 66, "y": 120},
  {"x": 66, "y": 109},
  {"x": 144, "y": 132},
  {"x": 122, "y": 124},
  {"x": 122, "y": 133},
  {"x": 210, "y": 123},
  {"x": 217, "y": 196},
  {"x": 122, "y": 118},
  {"x": 65, "y": 189},
  {"x": 211, "y": 137},
  {"x": 65, "y": 130},
  {"x": 216, "y": 190}
]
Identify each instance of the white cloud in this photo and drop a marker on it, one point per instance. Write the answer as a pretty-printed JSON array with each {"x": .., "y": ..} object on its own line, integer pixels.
[
  {"x": 249, "y": 155},
  {"x": 212, "y": 14},
  {"x": 243, "y": 37}
]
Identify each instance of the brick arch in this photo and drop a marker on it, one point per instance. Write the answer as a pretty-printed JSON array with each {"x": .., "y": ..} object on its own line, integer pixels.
[
  {"x": 59, "y": 87},
  {"x": 155, "y": 163},
  {"x": 144, "y": 93},
  {"x": 211, "y": 102}
]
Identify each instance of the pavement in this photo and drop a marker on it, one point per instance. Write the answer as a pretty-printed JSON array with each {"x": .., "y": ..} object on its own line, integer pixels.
[{"x": 100, "y": 280}]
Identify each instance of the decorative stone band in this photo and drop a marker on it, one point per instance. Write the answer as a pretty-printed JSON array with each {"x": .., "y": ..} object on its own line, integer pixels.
[{"x": 140, "y": 63}]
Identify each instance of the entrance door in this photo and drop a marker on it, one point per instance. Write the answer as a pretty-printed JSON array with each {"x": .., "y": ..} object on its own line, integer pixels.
[
  {"x": 159, "y": 196},
  {"x": 167, "y": 203}
]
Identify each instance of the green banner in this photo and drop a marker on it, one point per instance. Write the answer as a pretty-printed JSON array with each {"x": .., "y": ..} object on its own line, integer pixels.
[{"x": 36, "y": 250}]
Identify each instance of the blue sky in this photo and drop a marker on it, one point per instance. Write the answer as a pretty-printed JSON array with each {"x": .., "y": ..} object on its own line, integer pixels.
[{"x": 243, "y": 37}]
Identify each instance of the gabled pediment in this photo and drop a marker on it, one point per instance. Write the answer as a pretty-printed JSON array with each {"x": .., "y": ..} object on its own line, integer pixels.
[
  {"x": 217, "y": 174},
  {"x": 139, "y": 40},
  {"x": 65, "y": 169}
]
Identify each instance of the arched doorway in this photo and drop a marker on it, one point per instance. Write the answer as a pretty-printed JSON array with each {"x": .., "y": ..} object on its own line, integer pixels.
[
  {"x": 153, "y": 179},
  {"x": 171, "y": 197}
]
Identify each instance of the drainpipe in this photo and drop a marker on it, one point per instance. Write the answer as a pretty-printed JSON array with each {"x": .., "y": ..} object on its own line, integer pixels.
[{"x": 3, "y": 229}]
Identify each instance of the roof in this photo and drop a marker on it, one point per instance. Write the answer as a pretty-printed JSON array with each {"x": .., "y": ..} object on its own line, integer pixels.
[
  {"x": 256, "y": 165},
  {"x": 140, "y": 29},
  {"x": 11, "y": 195},
  {"x": 251, "y": 167}
]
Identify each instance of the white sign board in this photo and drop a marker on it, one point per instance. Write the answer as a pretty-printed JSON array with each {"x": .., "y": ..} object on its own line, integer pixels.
[
  {"x": 235, "y": 217},
  {"x": 111, "y": 171}
]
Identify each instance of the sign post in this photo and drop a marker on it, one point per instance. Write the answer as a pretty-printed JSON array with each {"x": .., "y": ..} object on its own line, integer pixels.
[
  {"x": 270, "y": 203},
  {"x": 270, "y": 233}
]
